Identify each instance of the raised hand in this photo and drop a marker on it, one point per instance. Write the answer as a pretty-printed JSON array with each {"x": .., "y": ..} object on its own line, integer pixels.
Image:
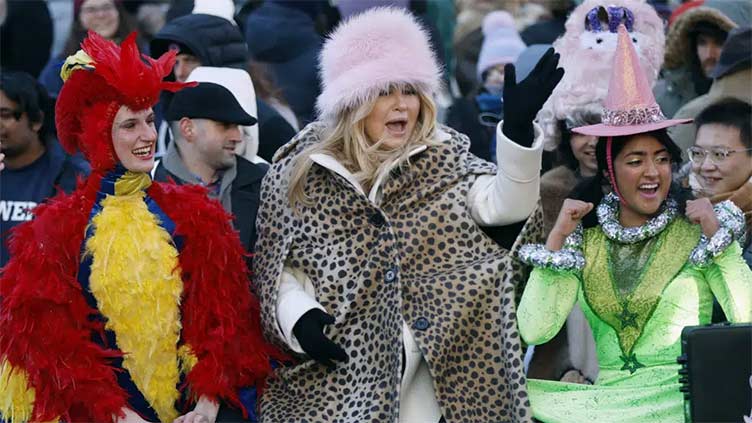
[
  {"x": 701, "y": 212},
  {"x": 572, "y": 212},
  {"x": 523, "y": 100},
  {"x": 309, "y": 331}
]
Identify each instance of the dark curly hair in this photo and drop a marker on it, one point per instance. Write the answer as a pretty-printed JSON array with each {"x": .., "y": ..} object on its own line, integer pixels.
[{"x": 591, "y": 189}]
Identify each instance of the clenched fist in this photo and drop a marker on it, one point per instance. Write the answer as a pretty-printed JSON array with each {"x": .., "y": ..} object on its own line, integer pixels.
[
  {"x": 701, "y": 212},
  {"x": 572, "y": 212}
]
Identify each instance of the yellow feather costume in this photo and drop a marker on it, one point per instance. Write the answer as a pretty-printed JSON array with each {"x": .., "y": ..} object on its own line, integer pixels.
[{"x": 135, "y": 279}]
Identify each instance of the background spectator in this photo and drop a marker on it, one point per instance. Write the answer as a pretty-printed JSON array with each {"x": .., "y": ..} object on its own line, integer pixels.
[
  {"x": 477, "y": 114},
  {"x": 35, "y": 164},
  {"x": 107, "y": 18},
  {"x": 25, "y": 36},
  {"x": 206, "y": 121},
  {"x": 468, "y": 38},
  {"x": 732, "y": 77},
  {"x": 282, "y": 35},
  {"x": 211, "y": 40},
  {"x": 693, "y": 46},
  {"x": 270, "y": 93},
  {"x": 547, "y": 31},
  {"x": 722, "y": 158}
]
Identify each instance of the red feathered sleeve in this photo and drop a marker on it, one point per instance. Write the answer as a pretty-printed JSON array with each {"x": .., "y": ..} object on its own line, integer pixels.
[
  {"x": 220, "y": 316},
  {"x": 44, "y": 324}
]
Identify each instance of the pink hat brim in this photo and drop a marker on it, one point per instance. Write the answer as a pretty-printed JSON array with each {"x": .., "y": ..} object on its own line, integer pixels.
[{"x": 603, "y": 130}]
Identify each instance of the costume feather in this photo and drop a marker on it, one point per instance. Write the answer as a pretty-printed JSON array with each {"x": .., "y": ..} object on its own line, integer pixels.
[
  {"x": 45, "y": 328},
  {"x": 92, "y": 95},
  {"x": 222, "y": 316},
  {"x": 136, "y": 281}
]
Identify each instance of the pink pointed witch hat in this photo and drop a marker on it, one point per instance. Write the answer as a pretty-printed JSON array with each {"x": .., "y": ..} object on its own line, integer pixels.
[{"x": 630, "y": 107}]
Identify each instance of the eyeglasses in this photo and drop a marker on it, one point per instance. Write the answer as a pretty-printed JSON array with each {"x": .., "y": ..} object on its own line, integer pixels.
[
  {"x": 717, "y": 155},
  {"x": 105, "y": 8}
]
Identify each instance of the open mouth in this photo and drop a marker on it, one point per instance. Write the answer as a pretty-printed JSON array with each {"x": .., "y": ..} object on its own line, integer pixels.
[
  {"x": 142, "y": 152},
  {"x": 649, "y": 190},
  {"x": 397, "y": 126},
  {"x": 709, "y": 180}
]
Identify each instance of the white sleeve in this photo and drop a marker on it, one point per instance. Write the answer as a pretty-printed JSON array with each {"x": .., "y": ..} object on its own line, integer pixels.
[
  {"x": 512, "y": 194},
  {"x": 295, "y": 297}
]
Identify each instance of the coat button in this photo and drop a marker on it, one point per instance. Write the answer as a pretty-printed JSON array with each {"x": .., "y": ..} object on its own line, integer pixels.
[
  {"x": 421, "y": 323},
  {"x": 377, "y": 219},
  {"x": 390, "y": 275}
]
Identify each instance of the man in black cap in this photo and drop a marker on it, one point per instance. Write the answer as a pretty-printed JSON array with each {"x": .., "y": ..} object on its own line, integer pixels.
[
  {"x": 207, "y": 40},
  {"x": 205, "y": 122}
]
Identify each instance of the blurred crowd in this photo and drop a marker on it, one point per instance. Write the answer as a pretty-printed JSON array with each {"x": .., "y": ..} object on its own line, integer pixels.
[{"x": 277, "y": 43}]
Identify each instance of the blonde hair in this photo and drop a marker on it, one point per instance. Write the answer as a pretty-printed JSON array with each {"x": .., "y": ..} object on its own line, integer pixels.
[{"x": 346, "y": 141}]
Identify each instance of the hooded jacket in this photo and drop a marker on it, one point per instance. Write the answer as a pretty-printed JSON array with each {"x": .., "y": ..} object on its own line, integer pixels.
[
  {"x": 735, "y": 85},
  {"x": 239, "y": 192},
  {"x": 214, "y": 40},
  {"x": 676, "y": 88},
  {"x": 290, "y": 54}
]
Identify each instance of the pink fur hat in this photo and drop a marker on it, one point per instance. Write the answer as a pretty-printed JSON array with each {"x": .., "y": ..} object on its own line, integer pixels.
[{"x": 369, "y": 52}]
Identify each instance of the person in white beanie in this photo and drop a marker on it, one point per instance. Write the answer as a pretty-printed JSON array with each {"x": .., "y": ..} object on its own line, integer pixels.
[
  {"x": 478, "y": 114},
  {"x": 501, "y": 44},
  {"x": 371, "y": 265}
]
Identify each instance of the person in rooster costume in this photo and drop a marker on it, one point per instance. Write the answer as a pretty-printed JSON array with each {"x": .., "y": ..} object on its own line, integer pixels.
[{"x": 127, "y": 300}]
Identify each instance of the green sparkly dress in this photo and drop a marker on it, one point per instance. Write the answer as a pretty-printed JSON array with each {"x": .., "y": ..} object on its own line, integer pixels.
[{"x": 637, "y": 298}]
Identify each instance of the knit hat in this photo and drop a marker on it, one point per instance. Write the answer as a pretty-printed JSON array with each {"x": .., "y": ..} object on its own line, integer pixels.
[
  {"x": 501, "y": 42},
  {"x": 369, "y": 52}
]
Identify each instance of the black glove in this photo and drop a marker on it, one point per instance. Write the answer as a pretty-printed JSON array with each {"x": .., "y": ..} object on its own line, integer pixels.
[
  {"x": 523, "y": 101},
  {"x": 309, "y": 331}
]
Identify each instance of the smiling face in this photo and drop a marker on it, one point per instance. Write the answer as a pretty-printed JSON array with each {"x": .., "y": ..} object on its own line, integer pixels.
[
  {"x": 583, "y": 149},
  {"x": 728, "y": 174},
  {"x": 100, "y": 16},
  {"x": 393, "y": 118},
  {"x": 134, "y": 138},
  {"x": 643, "y": 176}
]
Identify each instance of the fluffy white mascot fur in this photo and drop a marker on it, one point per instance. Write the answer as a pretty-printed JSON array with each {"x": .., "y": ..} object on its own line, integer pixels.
[{"x": 587, "y": 49}]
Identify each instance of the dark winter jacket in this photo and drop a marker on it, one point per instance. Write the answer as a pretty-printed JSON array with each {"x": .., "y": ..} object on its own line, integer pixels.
[
  {"x": 677, "y": 85},
  {"x": 26, "y": 37},
  {"x": 465, "y": 117},
  {"x": 274, "y": 131},
  {"x": 213, "y": 40},
  {"x": 291, "y": 54},
  {"x": 544, "y": 32},
  {"x": 245, "y": 188},
  {"x": 22, "y": 189}
]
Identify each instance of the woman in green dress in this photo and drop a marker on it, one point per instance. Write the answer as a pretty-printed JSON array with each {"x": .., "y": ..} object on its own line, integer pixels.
[{"x": 642, "y": 265}]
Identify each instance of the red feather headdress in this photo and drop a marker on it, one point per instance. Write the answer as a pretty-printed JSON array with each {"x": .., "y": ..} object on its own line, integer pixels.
[{"x": 103, "y": 78}]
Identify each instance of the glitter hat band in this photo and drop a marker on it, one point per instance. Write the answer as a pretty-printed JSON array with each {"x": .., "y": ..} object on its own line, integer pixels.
[{"x": 630, "y": 107}]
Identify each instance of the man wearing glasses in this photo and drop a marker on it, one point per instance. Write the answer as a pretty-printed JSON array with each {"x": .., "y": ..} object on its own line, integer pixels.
[{"x": 721, "y": 158}]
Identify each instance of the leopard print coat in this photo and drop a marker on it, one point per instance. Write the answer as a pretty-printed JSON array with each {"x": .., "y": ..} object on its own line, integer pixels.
[{"x": 419, "y": 257}]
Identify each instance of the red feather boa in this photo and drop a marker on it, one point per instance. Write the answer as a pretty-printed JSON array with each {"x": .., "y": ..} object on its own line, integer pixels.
[{"x": 44, "y": 324}]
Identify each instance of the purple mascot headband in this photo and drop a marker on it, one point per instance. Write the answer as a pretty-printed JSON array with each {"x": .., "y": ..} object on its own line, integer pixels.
[{"x": 613, "y": 15}]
